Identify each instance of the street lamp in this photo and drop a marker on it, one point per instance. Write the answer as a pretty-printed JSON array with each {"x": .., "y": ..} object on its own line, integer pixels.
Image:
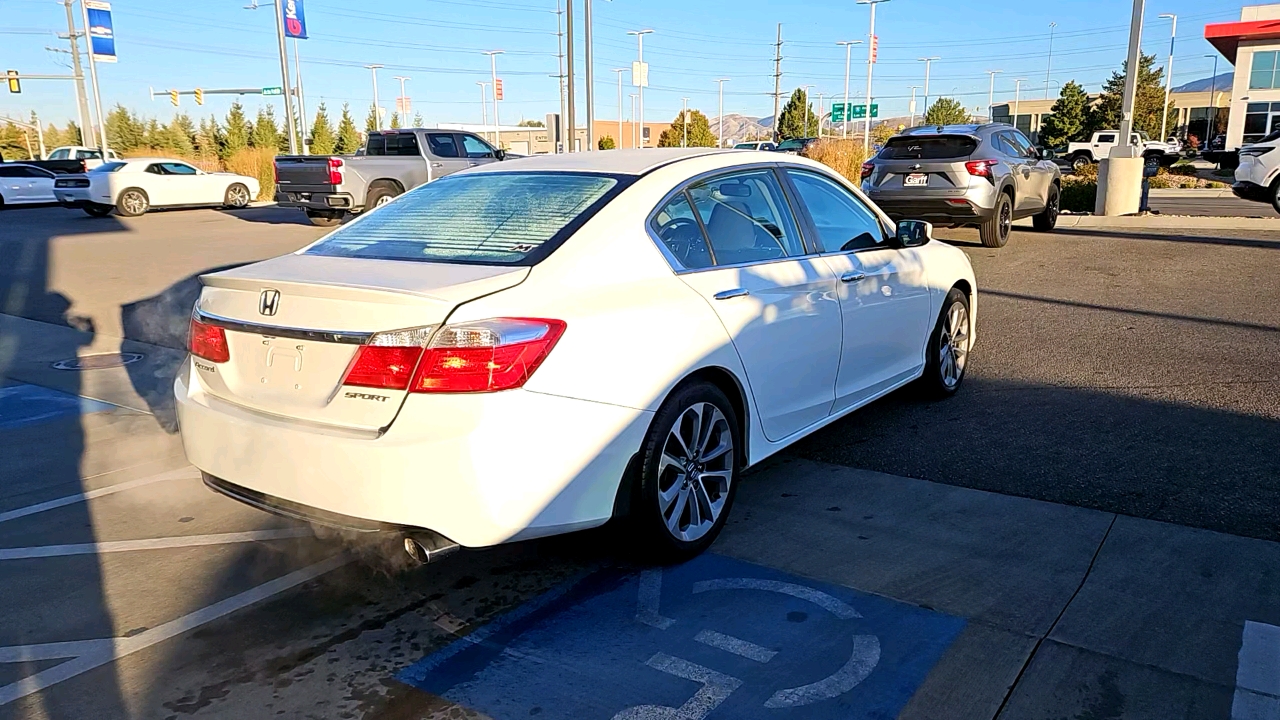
[
  {"x": 1211, "y": 125},
  {"x": 484, "y": 102},
  {"x": 635, "y": 141},
  {"x": 377, "y": 116},
  {"x": 404, "y": 100},
  {"x": 1168, "y": 76},
  {"x": 928, "y": 61},
  {"x": 619, "y": 71},
  {"x": 720, "y": 137},
  {"x": 848, "y": 45},
  {"x": 1017, "y": 98},
  {"x": 912, "y": 107},
  {"x": 643, "y": 79},
  {"x": 493, "y": 76},
  {"x": 872, "y": 42},
  {"x": 684, "y": 123},
  {"x": 1049, "y": 66},
  {"x": 991, "y": 94}
]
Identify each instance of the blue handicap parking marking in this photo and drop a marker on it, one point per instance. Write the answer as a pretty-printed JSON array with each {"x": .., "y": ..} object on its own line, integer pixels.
[
  {"x": 22, "y": 405},
  {"x": 712, "y": 638}
]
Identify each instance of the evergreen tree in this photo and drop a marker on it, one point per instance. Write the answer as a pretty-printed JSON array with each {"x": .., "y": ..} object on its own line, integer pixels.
[
  {"x": 153, "y": 137},
  {"x": 797, "y": 118},
  {"x": 348, "y": 137},
  {"x": 417, "y": 120},
  {"x": 699, "y": 131},
  {"x": 946, "y": 111},
  {"x": 323, "y": 140},
  {"x": 53, "y": 137},
  {"x": 71, "y": 136},
  {"x": 236, "y": 135},
  {"x": 265, "y": 133},
  {"x": 124, "y": 131},
  {"x": 1148, "y": 101},
  {"x": 606, "y": 142},
  {"x": 208, "y": 137},
  {"x": 371, "y": 122},
  {"x": 1068, "y": 118},
  {"x": 181, "y": 132},
  {"x": 395, "y": 120}
]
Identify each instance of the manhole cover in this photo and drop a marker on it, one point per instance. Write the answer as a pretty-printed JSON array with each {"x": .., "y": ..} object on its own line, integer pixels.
[{"x": 97, "y": 362}]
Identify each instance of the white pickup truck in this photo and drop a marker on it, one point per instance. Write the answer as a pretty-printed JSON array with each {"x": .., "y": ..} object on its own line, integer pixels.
[{"x": 1098, "y": 147}]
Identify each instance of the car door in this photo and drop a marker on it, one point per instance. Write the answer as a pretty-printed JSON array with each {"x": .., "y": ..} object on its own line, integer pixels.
[
  {"x": 1102, "y": 145},
  {"x": 883, "y": 290},
  {"x": 1042, "y": 171},
  {"x": 737, "y": 244},
  {"x": 444, "y": 154},
  {"x": 39, "y": 185},
  {"x": 1018, "y": 171},
  {"x": 185, "y": 185},
  {"x": 13, "y": 185},
  {"x": 1032, "y": 188},
  {"x": 477, "y": 151}
]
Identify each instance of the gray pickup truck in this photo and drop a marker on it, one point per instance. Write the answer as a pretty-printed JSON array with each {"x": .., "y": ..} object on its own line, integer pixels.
[{"x": 329, "y": 187}]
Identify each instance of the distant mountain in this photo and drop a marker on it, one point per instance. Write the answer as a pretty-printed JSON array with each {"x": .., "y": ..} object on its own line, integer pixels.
[{"x": 740, "y": 127}]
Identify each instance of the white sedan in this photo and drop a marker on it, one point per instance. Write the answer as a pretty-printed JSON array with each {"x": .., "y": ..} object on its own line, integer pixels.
[
  {"x": 132, "y": 187},
  {"x": 24, "y": 184},
  {"x": 525, "y": 349}
]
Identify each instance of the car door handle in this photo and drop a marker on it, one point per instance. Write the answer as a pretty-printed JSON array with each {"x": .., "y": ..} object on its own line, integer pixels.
[
  {"x": 437, "y": 164},
  {"x": 852, "y": 277},
  {"x": 472, "y": 164},
  {"x": 727, "y": 294}
]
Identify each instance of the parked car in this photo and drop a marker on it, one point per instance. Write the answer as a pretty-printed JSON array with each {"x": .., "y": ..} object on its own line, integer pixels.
[
  {"x": 526, "y": 349},
  {"x": 330, "y": 187},
  {"x": 1098, "y": 147},
  {"x": 22, "y": 184},
  {"x": 756, "y": 145},
  {"x": 796, "y": 146},
  {"x": 53, "y": 166},
  {"x": 1258, "y": 174},
  {"x": 90, "y": 157},
  {"x": 132, "y": 187},
  {"x": 981, "y": 175}
]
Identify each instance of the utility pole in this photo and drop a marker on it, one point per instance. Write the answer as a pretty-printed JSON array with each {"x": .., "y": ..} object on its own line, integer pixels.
[
  {"x": 559, "y": 141},
  {"x": 643, "y": 80},
  {"x": 991, "y": 94},
  {"x": 82, "y": 101},
  {"x": 684, "y": 123},
  {"x": 806, "y": 109},
  {"x": 1120, "y": 173},
  {"x": 570, "y": 122},
  {"x": 493, "y": 71},
  {"x": 777, "y": 80},
  {"x": 377, "y": 111},
  {"x": 590, "y": 79},
  {"x": 720, "y": 134},
  {"x": 1168, "y": 78},
  {"x": 1017, "y": 98},
  {"x": 848, "y": 46},
  {"x": 912, "y": 107},
  {"x": 872, "y": 43},
  {"x": 619, "y": 71},
  {"x": 284, "y": 77},
  {"x": 1211, "y": 125},
  {"x": 927, "y": 62},
  {"x": 302, "y": 100},
  {"x": 403, "y": 104},
  {"x": 1049, "y": 66},
  {"x": 1131, "y": 76},
  {"x": 484, "y": 102},
  {"x": 93, "y": 76},
  {"x": 820, "y": 115}
]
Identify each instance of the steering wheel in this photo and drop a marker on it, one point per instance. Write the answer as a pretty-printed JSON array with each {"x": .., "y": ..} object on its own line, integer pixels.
[{"x": 683, "y": 237}]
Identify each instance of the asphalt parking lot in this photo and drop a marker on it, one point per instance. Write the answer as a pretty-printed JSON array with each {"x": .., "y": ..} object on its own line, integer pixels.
[{"x": 1129, "y": 379}]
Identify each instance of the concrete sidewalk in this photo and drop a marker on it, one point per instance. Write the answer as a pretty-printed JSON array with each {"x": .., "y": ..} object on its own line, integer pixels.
[{"x": 1179, "y": 222}]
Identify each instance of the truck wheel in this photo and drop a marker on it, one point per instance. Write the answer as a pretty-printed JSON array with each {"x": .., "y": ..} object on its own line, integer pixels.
[
  {"x": 380, "y": 195},
  {"x": 1079, "y": 162},
  {"x": 995, "y": 231},
  {"x": 322, "y": 218}
]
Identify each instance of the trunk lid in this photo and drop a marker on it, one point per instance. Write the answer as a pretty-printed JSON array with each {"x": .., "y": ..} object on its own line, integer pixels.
[
  {"x": 290, "y": 360},
  {"x": 295, "y": 170},
  {"x": 923, "y": 165}
]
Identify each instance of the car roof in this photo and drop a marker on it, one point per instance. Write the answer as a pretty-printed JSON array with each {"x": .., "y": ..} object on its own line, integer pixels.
[
  {"x": 619, "y": 162},
  {"x": 959, "y": 129}
]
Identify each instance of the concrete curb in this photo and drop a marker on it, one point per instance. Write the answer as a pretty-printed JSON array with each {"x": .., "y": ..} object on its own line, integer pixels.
[
  {"x": 1180, "y": 222},
  {"x": 1191, "y": 193}
]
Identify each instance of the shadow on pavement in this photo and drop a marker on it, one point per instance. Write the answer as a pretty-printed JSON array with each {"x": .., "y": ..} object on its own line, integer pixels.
[
  {"x": 272, "y": 214},
  {"x": 1135, "y": 311},
  {"x": 1120, "y": 233}
]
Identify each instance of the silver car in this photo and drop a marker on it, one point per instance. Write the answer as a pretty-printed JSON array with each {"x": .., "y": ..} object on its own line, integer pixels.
[{"x": 966, "y": 175}]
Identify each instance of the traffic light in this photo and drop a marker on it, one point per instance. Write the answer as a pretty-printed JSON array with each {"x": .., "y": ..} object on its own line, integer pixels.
[
  {"x": 173, "y": 97},
  {"x": 15, "y": 86},
  {"x": 199, "y": 96}
]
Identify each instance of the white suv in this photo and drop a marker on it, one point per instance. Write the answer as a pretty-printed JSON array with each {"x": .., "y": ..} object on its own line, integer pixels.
[{"x": 1256, "y": 177}]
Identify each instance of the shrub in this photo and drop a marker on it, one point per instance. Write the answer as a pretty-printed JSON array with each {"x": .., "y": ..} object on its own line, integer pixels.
[
  {"x": 259, "y": 163},
  {"x": 1184, "y": 169},
  {"x": 1079, "y": 194},
  {"x": 1089, "y": 171},
  {"x": 843, "y": 156}
]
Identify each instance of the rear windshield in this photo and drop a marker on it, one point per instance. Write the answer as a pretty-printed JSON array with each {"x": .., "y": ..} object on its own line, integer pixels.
[
  {"x": 107, "y": 167},
  {"x": 492, "y": 218},
  {"x": 928, "y": 148}
]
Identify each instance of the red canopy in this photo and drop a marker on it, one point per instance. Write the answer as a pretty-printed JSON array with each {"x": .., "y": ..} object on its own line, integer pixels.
[{"x": 1226, "y": 37}]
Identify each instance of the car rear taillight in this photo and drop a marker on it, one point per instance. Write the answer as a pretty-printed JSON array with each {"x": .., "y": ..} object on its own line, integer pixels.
[
  {"x": 275, "y": 173},
  {"x": 208, "y": 342},
  {"x": 486, "y": 356},
  {"x": 335, "y": 171},
  {"x": 867, "y": 169},
  {"x": 389, "y": 359},
  {"x": 980, "y": 168}
]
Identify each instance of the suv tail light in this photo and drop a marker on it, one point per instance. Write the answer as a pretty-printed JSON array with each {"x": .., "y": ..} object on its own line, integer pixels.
[
  {"x": 867, "y": 169},
  {"x": 335, "y": 171},
  {"x": 208, "y": 342},
  {"x": 486, "y": 356},
  {"x": 980, "y": 168}
]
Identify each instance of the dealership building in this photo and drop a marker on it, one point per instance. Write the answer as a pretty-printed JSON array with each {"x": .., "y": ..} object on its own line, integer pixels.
[{"x": 1252, "y": 45}]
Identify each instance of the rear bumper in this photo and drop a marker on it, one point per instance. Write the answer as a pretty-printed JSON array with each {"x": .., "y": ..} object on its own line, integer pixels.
[
  {"x": 1248, "y": 190},
  {"x": 318, "y": 200},
  {"x": 957, "y": 210},
  {"x": 79, "y": 198},
  {"x": 479, "y": 469}
]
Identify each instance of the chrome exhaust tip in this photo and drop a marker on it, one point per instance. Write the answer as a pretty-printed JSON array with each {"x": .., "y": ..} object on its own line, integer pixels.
[{"x": 426, "y": 550}]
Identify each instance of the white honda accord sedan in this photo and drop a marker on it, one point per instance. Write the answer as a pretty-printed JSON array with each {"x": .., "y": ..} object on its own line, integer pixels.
[{"x": 537, "y": 347}]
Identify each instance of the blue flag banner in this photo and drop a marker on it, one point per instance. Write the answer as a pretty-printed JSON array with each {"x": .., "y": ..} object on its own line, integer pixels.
[
  {"x": 295, "y": 23},
  {"x": 102, "y": 38}
]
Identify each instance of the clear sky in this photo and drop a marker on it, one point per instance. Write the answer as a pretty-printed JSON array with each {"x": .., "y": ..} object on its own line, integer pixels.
[{"x": 438, "y": 43}]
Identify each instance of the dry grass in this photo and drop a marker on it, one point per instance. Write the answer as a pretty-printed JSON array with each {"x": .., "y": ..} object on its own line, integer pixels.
[
  {"x": 843, "y": 156},
  {"x": 259, "y": 163}
]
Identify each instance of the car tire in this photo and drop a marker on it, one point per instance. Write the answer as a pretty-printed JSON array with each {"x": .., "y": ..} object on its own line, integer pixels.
[
  {"x": 1080, "y": 162},
  {"x": 96, "y": 210},
  {"x": 380, "y": 195},
  {"x": 237, "y": 196},
  {"x": 132, "y": 202},
  {"x": 1045, "y": 220},
  {"x": 662, "y": 518},
  {"x": 320, "y": 218},
  {"x": 1274, "y": 193},
  {"x": 947, "y": 353},
  {"x": 995, "y": 231}
]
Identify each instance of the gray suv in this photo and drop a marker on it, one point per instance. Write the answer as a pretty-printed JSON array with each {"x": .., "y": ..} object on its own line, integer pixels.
[{"x": 980, "y": 175}]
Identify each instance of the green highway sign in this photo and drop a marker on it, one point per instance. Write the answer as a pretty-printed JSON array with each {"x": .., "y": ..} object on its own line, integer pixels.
[
  {"x": 837, "y": 112},
  {"x": 272, "y": 91},
  {"x": 855, "y": 111},
  {"x": 860, "y": 111}
]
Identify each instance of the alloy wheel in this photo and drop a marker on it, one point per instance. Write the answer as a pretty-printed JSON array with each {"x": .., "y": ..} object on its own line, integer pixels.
[
  {"x": 953, "y": 348},
  {"x": 382, "y": 200},
  {"x": 1006, "y": 219},
  {"x": 134, "y": 203},
  {"x": 1054, "y": 204},
  {"x": 695, "y": 471},
  {"x": 238, "y": 196}
]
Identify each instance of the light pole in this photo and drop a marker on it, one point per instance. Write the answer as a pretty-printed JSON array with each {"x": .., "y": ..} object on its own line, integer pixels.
[
  {"x": 991, "y": 94},
  {"x": 1017, "y": 98},
  {"x": 643, "y": 78},
  {"x": 684, "y": 123},
  {"x": 377, "y": 114},
  {"x": 284, "y": 77},
  {"x": 1049, "y": 66},
  {"x": 404, "y": 99},
  {"x": 1168, "y": 77},
  {"x": 848, "y": 46},
  {"x": 1211, "y": 125},
  {"x": 720, "y": 134},
  {"x": 302, "y": 101},
  {"x": 493, "y": 76},
  {"x": 928, "y": 61},
  {"x": 872, "y": 43},
  {"x": 912, "y": 108},
  {"x": 619, "y": 71},
  {"x": 484, "y": 102},
  {"x": 569, "y": 120},
  {"x": 635, "y": 143},
  {"x": 558, "y": 141},
  {"x": 590, "y": 79},
  {"x": 806, "y": 109}
]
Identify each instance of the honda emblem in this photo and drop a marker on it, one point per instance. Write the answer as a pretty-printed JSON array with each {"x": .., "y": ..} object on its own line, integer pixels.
[{"x": 269, "y": 302}]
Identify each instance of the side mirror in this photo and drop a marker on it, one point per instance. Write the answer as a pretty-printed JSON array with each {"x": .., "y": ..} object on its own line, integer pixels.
[
  {"x": 500, "y": 154},
  {"x": 914, "y": 233},
  {"x": 1047, "y": 154}
]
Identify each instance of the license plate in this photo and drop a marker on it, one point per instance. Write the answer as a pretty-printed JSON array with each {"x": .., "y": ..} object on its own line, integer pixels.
[{"x": 916, "y": 180}]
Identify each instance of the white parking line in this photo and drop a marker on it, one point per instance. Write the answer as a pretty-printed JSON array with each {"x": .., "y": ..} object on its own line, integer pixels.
[
  {"x": 728, "y": 643},
  {"x": 1257, "y": 694},
  {"x": 21, "y": 512},
  {"x": 164, "y": 543},
  {"x": 101, "y": 652}
]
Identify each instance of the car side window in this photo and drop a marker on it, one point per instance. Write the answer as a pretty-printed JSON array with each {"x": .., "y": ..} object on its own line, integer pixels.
[
  {"x": 1106, "y": 139},
  {"x": 177, "y": 169},
  {"x": 87, "y": 154},
  {"x": 35, "y": 172},
  {"x": 402, "y": 144},
  {"x": 746, "y": 218},
  {"x": 442, "y": 145},
  {"x": 844, "y": 222},
  {"x": 59, "y": 154},
  {"x": 1021, "y": 144},
  {"x": 156, "y": 169},
  {"x": 8, "y": 172},
  {"x": 678, "y": 229},
  {"x": 475, "y": 147}
]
